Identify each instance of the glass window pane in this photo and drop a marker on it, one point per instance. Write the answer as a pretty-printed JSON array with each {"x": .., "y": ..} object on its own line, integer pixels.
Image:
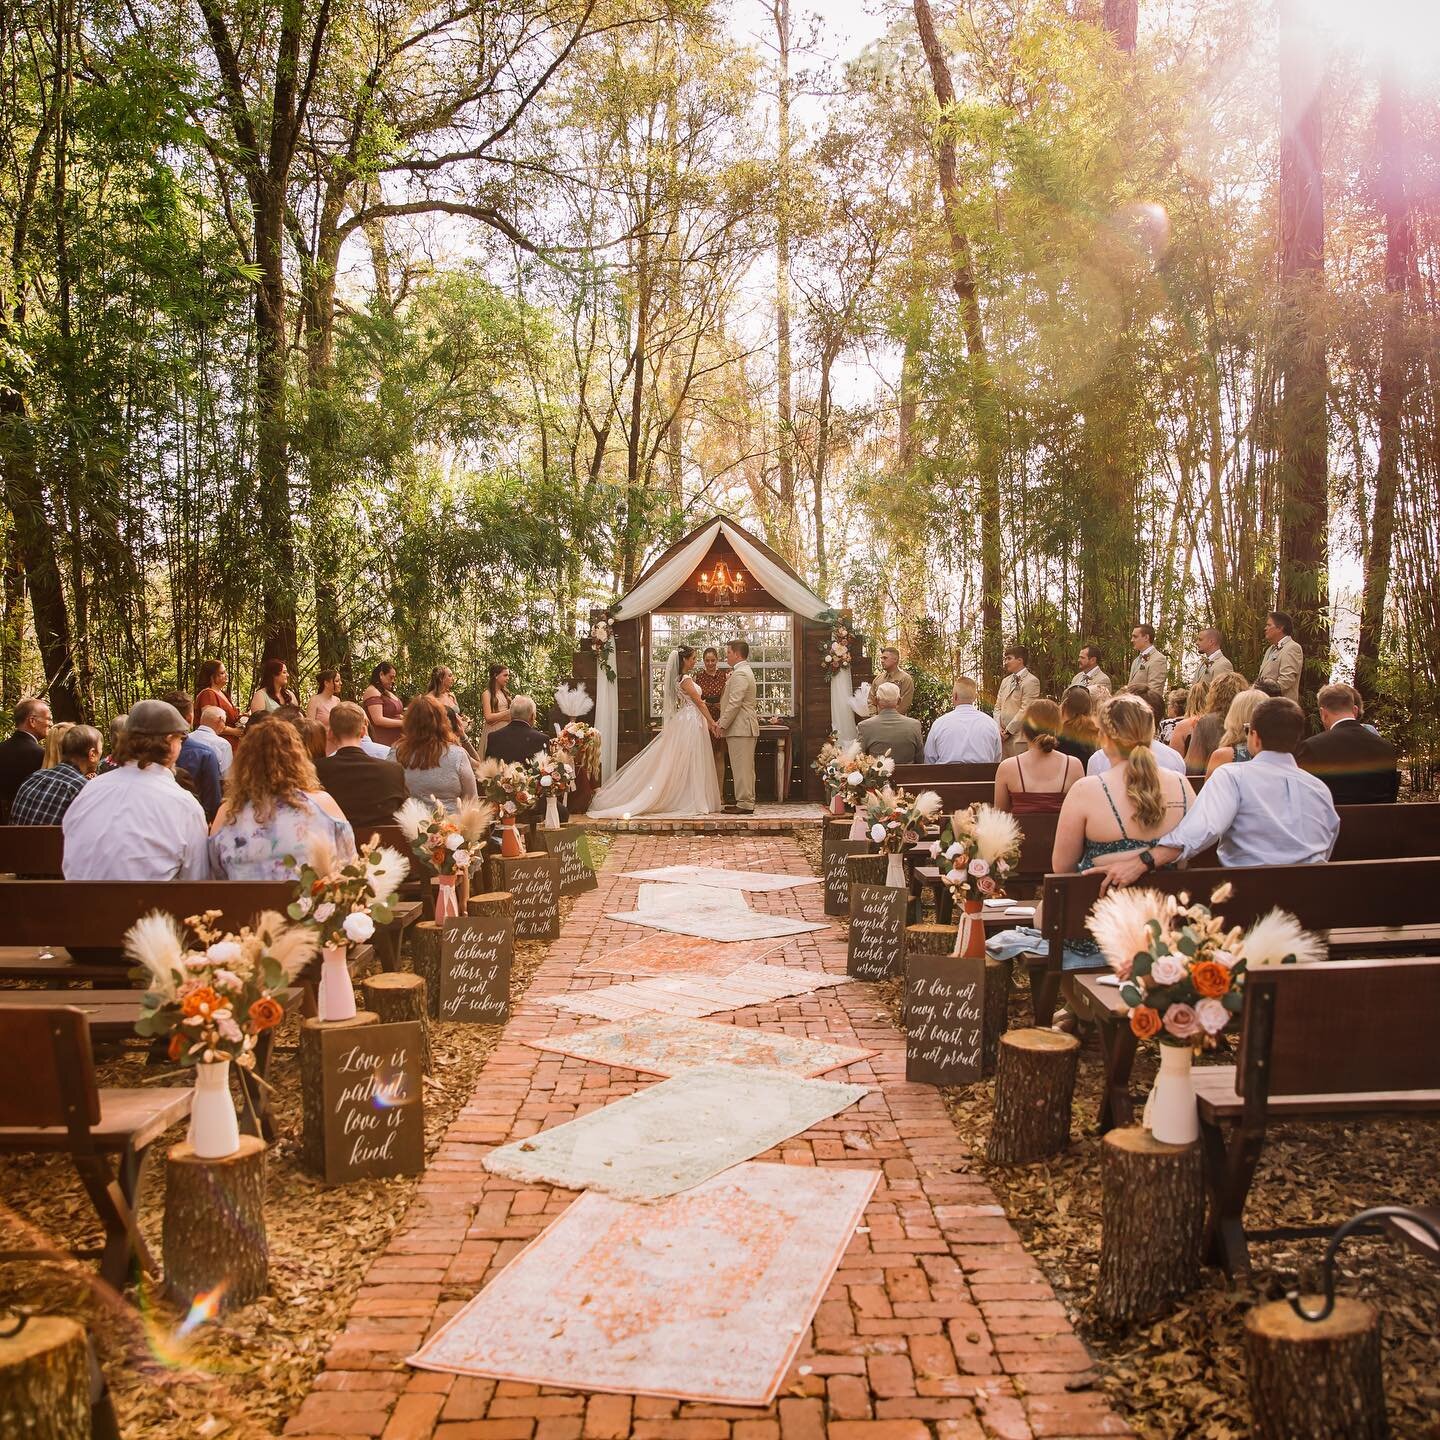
[{"x": 772, "y": 658}]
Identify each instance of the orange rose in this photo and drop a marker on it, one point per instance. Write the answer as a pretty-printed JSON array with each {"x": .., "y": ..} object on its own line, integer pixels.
[
  {"x": 318, "y": 888},
  {"x": 1145, "y": 1021},
  {"x": 265, "y": 1012},
  {"x": 1210, "y": 978},
  {"x": 176, "y": 1046},
  {"x": 437, "y": 856},
  {"x": 201, "y": 1000}
]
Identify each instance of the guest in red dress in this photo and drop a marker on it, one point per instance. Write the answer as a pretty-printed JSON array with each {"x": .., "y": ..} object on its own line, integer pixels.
[
  {"x": 212, "y": 684},
  {"x": 711, "y": 680},
  {"x": 384, "y": 707},
  {"x": 1035, "y": 782}
]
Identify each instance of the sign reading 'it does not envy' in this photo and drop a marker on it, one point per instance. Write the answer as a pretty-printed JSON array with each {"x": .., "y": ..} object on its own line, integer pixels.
[
  {"x": 570, "y": 847},
  {"x": 533, "y": 881},
  {"x": 372, "y": 1105},
  {"x": 877, "y": 932},
  {"x": 476, "y": 953},
  {"x": 944, "y": 1017}
]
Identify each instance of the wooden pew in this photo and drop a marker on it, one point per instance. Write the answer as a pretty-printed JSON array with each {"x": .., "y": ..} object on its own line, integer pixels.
[
  {"x": 927, "y": 777},
  {"x": 1329, "y": 1042},
  {"x": 34, "y": 850}
]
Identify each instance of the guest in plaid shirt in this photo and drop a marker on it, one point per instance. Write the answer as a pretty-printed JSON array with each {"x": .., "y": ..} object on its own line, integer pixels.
[{"x": 44, "y": 798}]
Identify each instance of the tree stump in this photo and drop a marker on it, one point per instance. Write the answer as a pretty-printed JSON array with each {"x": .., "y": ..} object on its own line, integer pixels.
[
  {"x": 940, "y": 940},
  {"x": 1318, "y": 1379},
  {"x": 425, "y": 962},
  {"x": 45, "y": 1381},
  {"x": 493, "y": 905},
  {"x": 214, "y": 1230},
  {"x": 1034, "y": 1087},
  {"x": 864, "y": 870},
  {"x": 312, "y": 1114},
  {"x": 401, "y": 997},
  {"x": 1153, "y": 1223}
]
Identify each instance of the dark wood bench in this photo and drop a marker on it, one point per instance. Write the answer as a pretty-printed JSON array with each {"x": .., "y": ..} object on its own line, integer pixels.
[
  {"x": 34, "y": 850},
  {"x": 1327, "y": 1042},
  {"x": 927, "y": 777}
]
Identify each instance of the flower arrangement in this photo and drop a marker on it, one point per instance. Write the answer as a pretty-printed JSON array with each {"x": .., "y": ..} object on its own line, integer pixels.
[
  {"x": 215, "y": 998},
  {"x": 1183, "y": 970},
  {"x": 581, "y": 742},
  {"x": 853, "y": 774},
  {"x": 511, "y": 787},
  {"x": 447, "y": 843},
  {"x": 554, "y": 774},
  {"x": 977, "y": 851},
  {"x": 347, "y": 901},
  {"x": 835, "y": 654},
  {"x": 601, "y": 640},
  {"x": 894, "y": 817}
]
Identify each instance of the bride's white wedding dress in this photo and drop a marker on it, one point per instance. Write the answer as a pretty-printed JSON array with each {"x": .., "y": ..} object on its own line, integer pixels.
[{"x": 675, "y": 773}]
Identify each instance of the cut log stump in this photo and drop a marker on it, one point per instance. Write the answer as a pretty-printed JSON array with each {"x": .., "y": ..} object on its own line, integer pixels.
[
  {"x": 929, "y": 939},
  {"x": 401, "y": 996},
  {"x": 1152, "y": 1223},
  {"x": 45, "y": 1381},
  {"x": 864, "y": 870},
  {"x": 312, "y": 1113},
  {"x": 1317, "y": 1379},
  {"x": 493, "y": 905},
  {"x": 1034, "y": 1088},
  {"x": 214, "y": 1230},
  {"x": 425, "y": 962}
]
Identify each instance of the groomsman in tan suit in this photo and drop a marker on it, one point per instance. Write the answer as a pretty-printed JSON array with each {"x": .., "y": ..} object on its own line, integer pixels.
[
  {"x": 1150, "y": 667},
  {"x": 1284, "y": 661},
  {"x": 1017, "y": 690},
  {"x": 1090, "y": 676},
  {"x": 891, "y": 672},
  {"x": 740, "y": 722},
  {"x": 1213, "y": 662}
]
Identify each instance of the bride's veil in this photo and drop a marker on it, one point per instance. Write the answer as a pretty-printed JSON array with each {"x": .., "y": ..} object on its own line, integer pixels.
[{"x": 671, "y": 690}]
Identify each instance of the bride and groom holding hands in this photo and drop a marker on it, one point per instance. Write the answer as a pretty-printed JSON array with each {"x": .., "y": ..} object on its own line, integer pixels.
[{"x": 676, "y": 773}]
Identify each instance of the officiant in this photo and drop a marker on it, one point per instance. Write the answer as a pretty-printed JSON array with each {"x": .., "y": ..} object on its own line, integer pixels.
[{"x": 711, "y": 679}]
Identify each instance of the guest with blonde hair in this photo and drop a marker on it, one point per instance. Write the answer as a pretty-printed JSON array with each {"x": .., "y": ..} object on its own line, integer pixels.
[
  {"x": 1196, "y": 699},
  {"x": 1039, "y": 787},
  {"x": 1211, "y": 725},
  {"x": 51, "y": 746},
  {"x": 1233, "y": 747}
]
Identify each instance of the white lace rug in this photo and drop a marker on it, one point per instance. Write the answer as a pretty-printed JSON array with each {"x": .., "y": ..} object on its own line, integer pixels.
[
  {"x": 687, "y": 900},
  {"x": 694, "y": 995},
  {"x": 719, "y": 878},
  {"x": 717, "y": 923}
]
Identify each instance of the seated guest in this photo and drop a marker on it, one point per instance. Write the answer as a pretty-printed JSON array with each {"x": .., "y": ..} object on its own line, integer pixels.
[
  {"x": 22, "y": 753},
  {"x": 312, "y": 736},
  {"x": 384, "y": 707},
  {"x": 1233, "y": 749},
  {"x": 435, "y": 767},
  {"x": 965, "y": 735},
  {"x": 368, "y": 790},
  {"x": 1165, "y": 757},
  {"x": 1269, "y": 812},
  {"x": 44, "y": 798},
  {"x": 888, "y": 731},
  {"x": 1211, "y": 725},
  {"x": 1196, "y": 698},
  {"x": 1036, "y": 782},
  {"x": 53, "y": 738},
  {"x": 1357, "y": 765},
  {"x": 212, "y": 687},
  {"x": 110, "y": 760},
  {"x": 274, "y": 808},
  {"x": 1079, "y": 734},
  {"x": 136, "y": 823},
  {"x": 274, "y": 689},
  {"x": 518, "y": 739},
  {"x": 210, "y": 732},
  {"x": 197, "y": 760},
  {"x": 1269, "y": 689},
  {"x": 1175, "y": 702},
  {"x": 327, "y": 696}
]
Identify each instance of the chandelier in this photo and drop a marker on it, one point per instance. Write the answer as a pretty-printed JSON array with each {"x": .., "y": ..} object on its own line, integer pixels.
[{"x": 722, "y": 584}]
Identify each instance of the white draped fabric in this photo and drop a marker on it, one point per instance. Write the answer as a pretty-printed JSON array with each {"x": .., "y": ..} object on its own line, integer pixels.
[{"x": 657, "y": 588}]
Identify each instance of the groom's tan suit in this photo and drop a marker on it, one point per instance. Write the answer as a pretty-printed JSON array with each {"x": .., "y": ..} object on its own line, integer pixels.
[{"x": 740, "y": 720}]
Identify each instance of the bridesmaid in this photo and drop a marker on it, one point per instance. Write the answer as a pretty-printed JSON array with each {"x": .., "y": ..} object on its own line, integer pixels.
[
  {"x": 495, "y": 702},
  {"x": 711, "y": 680},
  {"x": 327, "y": 697},
  {"x": 384, "y": 707},
  {"x": 212, "y": 687},
  {"x": 442, "y": 689},
  {"x": 274, "y": 689}
]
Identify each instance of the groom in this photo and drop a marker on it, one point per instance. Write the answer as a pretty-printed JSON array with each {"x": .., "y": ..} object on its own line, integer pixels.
[{"x": 740, "y": 724}]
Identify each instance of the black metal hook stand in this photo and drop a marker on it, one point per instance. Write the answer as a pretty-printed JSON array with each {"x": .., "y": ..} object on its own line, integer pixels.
[{"x": 1365, "y": 1220}]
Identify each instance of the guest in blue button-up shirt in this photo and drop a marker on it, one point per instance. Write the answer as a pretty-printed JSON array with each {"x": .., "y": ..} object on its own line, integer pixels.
[{"x": 1269, "y": 812}]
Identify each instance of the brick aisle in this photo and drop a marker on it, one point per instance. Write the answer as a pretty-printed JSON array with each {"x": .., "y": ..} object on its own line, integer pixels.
[{"x": 937, "y": 1326}]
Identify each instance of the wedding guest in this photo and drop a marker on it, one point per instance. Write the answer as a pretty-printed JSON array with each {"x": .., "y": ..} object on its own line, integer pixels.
[
  {"x": 887, "y": 731},
  {"x": 51, "y": 747},
  {"x": 1358, "y": 766},
  {"x": 22, "y": 753},
  {"x": 1233, "y": 748},
  {"x": 1196, "y": 699},
  {"x": 274, "y": 810},
  {"x": 1213, "y": 662},
  {"x": 711, "y": 680},
  {"x": 196, "y": 759},
  {"x": 1165, "y": 757},
  {"x": 209, "y": 732},
  {"x": 314, "y": 737},
  {"x": 1150, "y": 667},
  {"x": 435, "y": 766},
  {"x": 518, "y": 739},
  {"x": 1283, "y": 663},
  {"x": 384, "y": 707},
  {"x": 1270, "y": 689},
  {"x": 1090, "y": 676},
  {"x": 1079, "y": 734},
  {"x": 45, "y": 796},
  {"x": 442, "y": 689},
  {"x": 110, "y": 760},
  {"x": 1017, "y": 689},
  {"x": 1154, "y": 701},
  {"x": 964, "y": 735},
  {"x": 367, "y": 789},
  {"x": 212, "y": 688},
  {"x": 136, "y": 823},
  {"x": 327, "y": 696},
  {"x": 1269, "y": 812},
  {"x": 495, "y": 704},
  {"x": 892, "y": 674},
  {"x": 1175, "y": 703},
  {"x": 1211, "y": 725},
  {"x": 274, "y": 688},
  {"x": 1037, "y": 782}
]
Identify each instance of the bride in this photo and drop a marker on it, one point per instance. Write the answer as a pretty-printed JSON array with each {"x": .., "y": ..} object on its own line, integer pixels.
[{"x": 675, "y": 773}]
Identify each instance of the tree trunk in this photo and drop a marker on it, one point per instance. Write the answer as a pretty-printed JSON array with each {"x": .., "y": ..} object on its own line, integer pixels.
[
  {"x": 214, "y": 1230},
  {"x": 1034, "y": 1088},
  {"x": 1120, "y": 18},
  {"x": 1301, "y": 421},
  {"x": 12, "y": 618},
  {"x": 785, "y": 498},
  {"x": 1152, "y": 1198},
  {"x": 401, "y": 996},
  {"x": 45, "y": 1381},
  {"x": 425, "y": 962},
  {"x": 313, "y": 1118},
  {"x": 822, "y": 452},
  {"x": 1320, "y": 1379}
]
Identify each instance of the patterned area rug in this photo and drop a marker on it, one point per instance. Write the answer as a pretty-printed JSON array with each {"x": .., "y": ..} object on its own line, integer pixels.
[
  {"x": 705, "y": 1296},
  {"x": 687, "y": 900},
  {"x": 722, "y": 925},
  {"x": 678, "y": 955},
  {"x": 694, "y": 995},
  {"x": 719, "y": 878},
  {"x": 666, "y": 1045}
]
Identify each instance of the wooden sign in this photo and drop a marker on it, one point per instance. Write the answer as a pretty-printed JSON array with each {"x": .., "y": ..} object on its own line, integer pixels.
[
  {"x": 476, "y": 952},
  {"x": 944, "y": 1009},
  {"x": 533, "y": 881},
  {"x": 570, "y": 846},
  {"x": 878, "y": 918},
  {"x": 837, "y": 877},
  {"x": 372, "y": 1106}
]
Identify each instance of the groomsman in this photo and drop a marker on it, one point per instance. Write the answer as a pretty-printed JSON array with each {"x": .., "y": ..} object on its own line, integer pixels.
[
  {"x": 1150, "y": 667},
  {"x": 1284, "y": 661},
  {"x": 1213, "y": 662},
  {"x": 1090, "y": 676},
  {"x": 891, "y": 673},
  {"x": 1017, "y": 690}
]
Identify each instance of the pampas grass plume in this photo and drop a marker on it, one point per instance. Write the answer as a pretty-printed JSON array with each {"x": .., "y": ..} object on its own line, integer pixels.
[
  {"x": 413, "y": 816},
  {"x": 929, "y": 805},
  {"x": 1275, "y": 937},
  {"x": 156, "y": 943},
  {"x": 388, "y": 867},
  {"x": 996, "y": 832},
  {"x": 1120, "y": 923},
  {"x": 292, "y": 947},
  {"x": 474, "y": 817}
]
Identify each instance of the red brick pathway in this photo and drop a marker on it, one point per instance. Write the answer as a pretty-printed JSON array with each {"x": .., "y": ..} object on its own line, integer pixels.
[{"x": 937, "y": 1326}]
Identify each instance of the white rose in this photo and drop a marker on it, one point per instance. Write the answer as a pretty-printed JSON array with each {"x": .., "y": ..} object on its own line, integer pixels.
[
  {"x": 358, "y": 926},
  {"x": 462, "y": 859},
  {"x": 324, "y": 912},
  {"x": 224, "y": 952},
  {"x": 454, "y": 842},
  {"x": 1167, "y": 970},
  {"x": 1212, "y": 1015},
  {"x": 547, "y": 780},
  {"x": 855, "y": 778},
  {"x": 955, "y": 849},
  {"x": 877, "y": 832}
]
